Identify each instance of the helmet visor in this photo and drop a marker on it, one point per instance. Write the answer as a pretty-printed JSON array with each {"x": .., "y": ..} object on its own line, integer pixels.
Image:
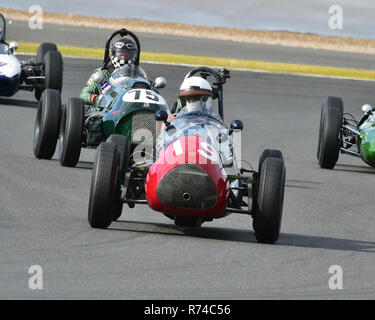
[{"x": 196, "y": 104}]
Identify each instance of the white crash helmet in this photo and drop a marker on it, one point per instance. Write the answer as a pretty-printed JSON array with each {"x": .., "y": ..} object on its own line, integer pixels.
[{"x": 196, "y": 94}]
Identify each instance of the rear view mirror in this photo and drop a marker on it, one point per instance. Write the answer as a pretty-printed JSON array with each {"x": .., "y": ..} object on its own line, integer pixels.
[
  {"x": 13, "y": 46},
  {"x": 366, "y": 108},
  {"x": 161, "y": 115},
  {"x": 98, "y": 77},
  {"x": 160, "y": 82},
  {"x": 236, "y": 124}
]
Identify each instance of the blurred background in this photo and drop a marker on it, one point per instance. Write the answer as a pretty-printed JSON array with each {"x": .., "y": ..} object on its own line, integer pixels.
[{"x": 305, "y": 16}]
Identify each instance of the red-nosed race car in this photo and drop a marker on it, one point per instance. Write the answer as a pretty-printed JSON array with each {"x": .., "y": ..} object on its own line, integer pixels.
[{"x": 192, "y": 173}]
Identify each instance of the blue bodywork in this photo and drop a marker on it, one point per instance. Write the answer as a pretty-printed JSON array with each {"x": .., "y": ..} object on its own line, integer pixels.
[{"x": 8, "y": 86}]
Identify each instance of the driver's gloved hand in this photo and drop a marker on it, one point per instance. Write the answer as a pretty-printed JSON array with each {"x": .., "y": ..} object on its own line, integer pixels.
[
  {"x": 171, "y": 117},
  {"x": 96, "y": 99}
]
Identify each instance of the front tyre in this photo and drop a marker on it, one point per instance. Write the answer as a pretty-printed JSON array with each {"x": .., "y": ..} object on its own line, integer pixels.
[
  {"x": 268, "y": 204},
  {"x": 329, "y": 131},
  {"x": 104, "y": 186},
  {"x": 123, "y": 147},
  {"x": 269, "y": 153},
  {"x": 71, "y": 132},
  {"x": 47, "y": 124}
]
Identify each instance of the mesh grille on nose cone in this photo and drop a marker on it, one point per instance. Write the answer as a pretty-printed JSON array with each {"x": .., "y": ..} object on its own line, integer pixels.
[
  {"x": 144, "y": 120},
  {"x": 141, "y": 121},
  {"x": 187, "y": 186}
]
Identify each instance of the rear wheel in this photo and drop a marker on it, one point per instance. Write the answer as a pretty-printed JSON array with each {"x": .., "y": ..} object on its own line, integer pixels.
[
  {"x": 71, "y": 131},
  {"x": 43, "y": 49},
  {"x": 268, "y": 204},
  {"x": 41, "y": 53},
  {"x": 123, "y": 147},
  {"x": 47, "y": 124},
  {"x": 53, "y": 70},
  {"x": 104, "y": 186},
  {"x": 329, "y": 131}
]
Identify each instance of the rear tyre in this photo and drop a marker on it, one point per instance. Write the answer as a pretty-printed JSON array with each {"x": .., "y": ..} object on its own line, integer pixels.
[
  {"x": 268, "y": 204},
  {"x": 43, "y": 49},
  {"x": 53, "y": 70},
  {"x": 329, "y": 131},
  {"x": 41, "y": 52},
  {"x": 123, "y": 148},
  {"x": 47, "y": 124},
  {"x": 104, "y": 184},
  {"x": 71, "y": 132}
]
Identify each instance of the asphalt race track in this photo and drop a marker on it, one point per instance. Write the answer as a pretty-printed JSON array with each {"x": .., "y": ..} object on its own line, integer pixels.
[{"x": 328, "y": 215}]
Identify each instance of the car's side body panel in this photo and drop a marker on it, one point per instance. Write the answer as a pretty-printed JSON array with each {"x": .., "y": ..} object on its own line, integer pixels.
[
  {"x": 366, "y": 145},
  {"x": 10, "y": 71}
]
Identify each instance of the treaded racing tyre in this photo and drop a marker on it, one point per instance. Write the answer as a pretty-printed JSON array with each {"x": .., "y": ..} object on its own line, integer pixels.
[
  {"x": 41, "y": 52},
  {"x": 71, "y": 130},
  {"x": 104, "y": 184},
  {"x": 269, "y": 153},
  {"x": 268, "y": 204},
  {"x": 43, "y": 49},
  {"x": 123, "y": 148},
  {"x": 47, "y": 124},
  {"x": 329, "y": 130},
  {"x": 53, "y": 70}
]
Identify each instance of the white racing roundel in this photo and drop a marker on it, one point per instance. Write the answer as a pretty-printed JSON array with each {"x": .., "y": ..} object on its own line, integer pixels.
[{"x": 143, "y": 96}]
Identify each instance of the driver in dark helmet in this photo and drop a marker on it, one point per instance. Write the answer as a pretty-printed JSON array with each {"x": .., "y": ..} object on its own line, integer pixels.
[{"x": 123, "y": 52}]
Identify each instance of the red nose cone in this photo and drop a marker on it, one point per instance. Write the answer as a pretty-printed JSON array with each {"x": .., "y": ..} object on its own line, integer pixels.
[{"x": 188, "y": 179}]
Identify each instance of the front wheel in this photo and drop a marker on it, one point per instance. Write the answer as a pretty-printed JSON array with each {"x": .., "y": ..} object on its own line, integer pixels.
[
  {"x": 71, "y": 133},
  {"x": 329, "y": 132},
  {"x": 104, "y": 186},
  {"x": 47, "y": 124},
  {"x": 269, "y": 153},
  {"x": 268, "y": 204},
  {"x": 123, "y": 147}
]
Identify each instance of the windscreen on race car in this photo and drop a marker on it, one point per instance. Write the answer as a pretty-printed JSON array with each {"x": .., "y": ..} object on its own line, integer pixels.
[
  {"x": 128, "y": 71},
  {"x": 199, "y": 108},
  {"x": 204, "y": 124}
]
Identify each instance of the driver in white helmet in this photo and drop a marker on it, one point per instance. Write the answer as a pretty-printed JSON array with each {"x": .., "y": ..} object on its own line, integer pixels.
[{"x": 195, "y": 95}]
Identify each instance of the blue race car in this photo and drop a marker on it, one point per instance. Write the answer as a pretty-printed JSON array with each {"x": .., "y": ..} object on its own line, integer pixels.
[{"x": 45, "y": 72}]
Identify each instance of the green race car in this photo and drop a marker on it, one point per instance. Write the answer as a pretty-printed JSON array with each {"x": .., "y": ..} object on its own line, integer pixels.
[
  {"x": 126, "y": 110},
  {"x": 341, "y": 133}
]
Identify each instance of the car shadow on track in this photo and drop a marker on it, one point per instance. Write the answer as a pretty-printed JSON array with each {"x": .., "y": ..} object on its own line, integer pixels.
[
  {"x": 85, "y": 165},
  {"x": 352, "y": 168},
  {"x": 302, "y": 184},
  {"x": 80, "y": 165},
  {"x": 238, "y": 235},
  {"x": 19, "y": 103}
]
